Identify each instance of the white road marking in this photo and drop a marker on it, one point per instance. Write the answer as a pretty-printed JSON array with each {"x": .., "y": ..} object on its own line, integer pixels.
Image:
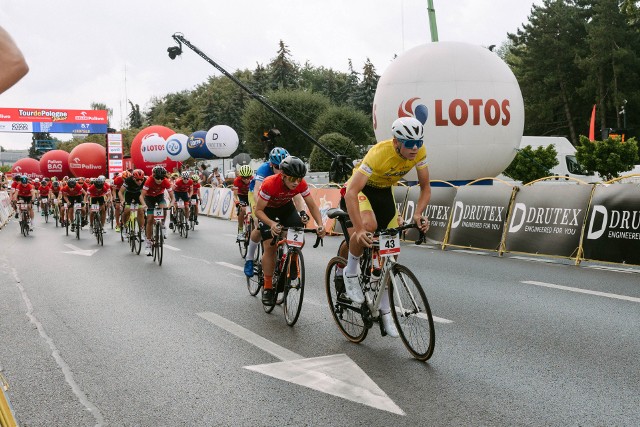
[
  {"x": 582, "y": 291},
  {"x": 545, "y": 260},
  {"x": 171, "y": 247},
  {"x": 337, "y": 374},
  {"x": 468, "y": 251},
  {"x": 424, "y": 316},
  {"x": 197, "y": 259},
  {"x": 79, "y": 251},
  {"x": 226, "y": 264},
  {"x": 617, "y": 269}
]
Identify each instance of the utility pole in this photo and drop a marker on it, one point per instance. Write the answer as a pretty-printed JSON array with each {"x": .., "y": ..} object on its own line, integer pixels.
[{"x": 432, "y": 21}]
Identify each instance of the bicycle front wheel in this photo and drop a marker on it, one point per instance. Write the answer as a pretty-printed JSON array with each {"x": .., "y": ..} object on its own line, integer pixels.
[
  {"x": 78, "y": 223},
  {"x": 160, "y": 244},
  {"x": 346, "y": 314},
  {"x": 294, "y": 286},
  {"x": 411, "y": 312}
]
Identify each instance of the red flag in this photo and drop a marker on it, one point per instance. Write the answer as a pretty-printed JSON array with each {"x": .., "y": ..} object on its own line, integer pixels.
[{"x": 592, "y": 127}]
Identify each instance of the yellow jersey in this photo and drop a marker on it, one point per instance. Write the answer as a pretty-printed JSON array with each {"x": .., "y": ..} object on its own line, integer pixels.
[{"x": 385, "y": 167}]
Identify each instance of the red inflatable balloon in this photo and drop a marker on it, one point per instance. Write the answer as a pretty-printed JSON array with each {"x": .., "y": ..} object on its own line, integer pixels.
[
  {"x": 136, "y": 153},
  {"x": 88, "y": 160},
  {"x": 55, "y": 163},
  {"x": 27, "y": 166}
]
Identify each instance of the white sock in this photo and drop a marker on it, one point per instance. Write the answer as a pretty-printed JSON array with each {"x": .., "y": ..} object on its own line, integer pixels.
[
  {"x": 352, "y": 265},
  {"x": 339, "y": 270},
  {"x": 251, "y": 251},
  {"x": 384, "y": 303}
]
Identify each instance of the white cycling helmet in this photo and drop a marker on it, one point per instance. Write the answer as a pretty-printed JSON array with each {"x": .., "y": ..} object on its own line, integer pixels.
[{"x": 407, "y": 128}]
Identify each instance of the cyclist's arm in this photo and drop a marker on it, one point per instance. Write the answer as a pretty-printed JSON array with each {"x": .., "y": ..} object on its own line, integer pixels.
[
  {"x": 172, "y": 198},
  {"x": 425, "y": 196},
  {"x": 143, "y": 194},
  {"x": 121, "y": 194},
  {"x": 261, "y": 204},
  {"x": 300, "y": 204},
  {"x": 256, "y": 190},
  {"x": 357, "y": 183},
  {"x": 315, "y": 213}
]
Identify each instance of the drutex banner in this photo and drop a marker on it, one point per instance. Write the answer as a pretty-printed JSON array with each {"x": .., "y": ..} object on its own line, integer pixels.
[
  {"x": 548, "y": 219},
  {"x": 478, "y": 216},
  {"x": 438, "y": 211},
  {"x": 612, "y": 232}
]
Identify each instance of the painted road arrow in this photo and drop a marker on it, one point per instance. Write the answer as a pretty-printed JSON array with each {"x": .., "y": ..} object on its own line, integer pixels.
[
  {"x": 337, "y": 375},
  {"x": 79, "y": 251}
]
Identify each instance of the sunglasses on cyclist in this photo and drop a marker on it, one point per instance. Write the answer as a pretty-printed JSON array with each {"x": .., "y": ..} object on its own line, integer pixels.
[
  {"x": 292, "y": 179},
  {"x": 411, "y": 143}
]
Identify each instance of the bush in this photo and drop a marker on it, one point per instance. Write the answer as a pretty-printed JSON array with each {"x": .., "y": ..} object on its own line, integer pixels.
[
  {"x": 352, "y": 123},
  {"x": 530, "y": 164},
  {"x": 336, "y": 142},
  {"x": 609, "y": 157}
]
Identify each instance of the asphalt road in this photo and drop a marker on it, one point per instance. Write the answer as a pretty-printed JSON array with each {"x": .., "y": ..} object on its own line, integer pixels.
[{"x": 114, "y": 339}]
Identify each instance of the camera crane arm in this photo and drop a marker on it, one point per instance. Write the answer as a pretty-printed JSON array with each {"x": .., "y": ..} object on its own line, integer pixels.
[{"x": 340, "y": 166}]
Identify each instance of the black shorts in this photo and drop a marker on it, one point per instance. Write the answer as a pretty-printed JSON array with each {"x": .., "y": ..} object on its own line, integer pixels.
[
  {"x": 382, "y": 203},
  {"x": 130, "y": 197},
  {"x": 151, "y": 202},
  {"x": 26, "y": 199},
  {"x": 244, "y": 198},
  {"x": 97, "y": 200},
  {"x": 184, "y": 196},
  {"x": 286, "y": 215},
  {"x": 75, "y": 199}
]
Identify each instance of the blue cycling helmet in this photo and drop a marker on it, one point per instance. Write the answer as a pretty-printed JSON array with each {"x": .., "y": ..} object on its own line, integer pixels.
[{"x": 277, "y": 155}]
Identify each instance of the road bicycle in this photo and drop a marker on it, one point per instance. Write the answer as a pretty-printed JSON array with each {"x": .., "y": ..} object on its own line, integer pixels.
[
  {"x": 247, "y": 227},
  {"x": 157, "y": 240},
  {"x": 56, "y": 211},
  {"x": 193, "y": 215},
  {"x": 110, "y": 213},
  {"x": 45, "y": 209},
  {"x": 380, "y": 272},
  {"x": 180, "y": 221},
  {"x": 96, "y": 226},
  {"x": 289, "y": 273},
  {"x": 24, "y": 218},
  {"x": 77, "y": 219},
  {"x": 131, "y": 229}
]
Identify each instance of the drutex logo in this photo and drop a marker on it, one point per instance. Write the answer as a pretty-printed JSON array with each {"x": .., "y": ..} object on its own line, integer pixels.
[
  {"x": 619, "y": 224},
  {"x": 52, "y": 114}
]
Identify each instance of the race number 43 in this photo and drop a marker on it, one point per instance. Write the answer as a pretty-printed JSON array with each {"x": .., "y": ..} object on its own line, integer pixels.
[{"x": 389, "y": 245}]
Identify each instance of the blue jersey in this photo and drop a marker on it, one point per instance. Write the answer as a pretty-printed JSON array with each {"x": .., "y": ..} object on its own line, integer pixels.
[{"x": 262, "y": 172}]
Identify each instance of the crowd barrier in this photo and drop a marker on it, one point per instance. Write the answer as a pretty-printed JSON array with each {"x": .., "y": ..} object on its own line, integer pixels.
[
  {"x": 5, "y": 208},
  {"x": 576, "y": 220}
]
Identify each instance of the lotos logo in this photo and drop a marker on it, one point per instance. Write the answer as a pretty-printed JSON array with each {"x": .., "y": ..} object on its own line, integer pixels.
[
  {"x": 195, "y": 142},
  {"x": 420, "y": 111},
  {"x": 174, "y": 147}
]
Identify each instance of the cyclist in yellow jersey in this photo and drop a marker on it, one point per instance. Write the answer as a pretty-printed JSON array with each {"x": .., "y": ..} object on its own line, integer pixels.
[{"x": 370, "y": 203}]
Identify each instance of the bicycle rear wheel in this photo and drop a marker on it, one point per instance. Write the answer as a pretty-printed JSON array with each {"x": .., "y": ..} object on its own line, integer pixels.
[
  {"x": 137, "y": 237},
  {"x": 78, "y": 224},
  {"x": 46, "y": 213},
  {"x": 255, "y": 282},
  {"x": 185, "y": 224},
  {"x": 294, "y": 286},
  {"x": 346, "y": 314},
  {"x": 160, "y": 244},
  {"x": 411, "y": 312}
]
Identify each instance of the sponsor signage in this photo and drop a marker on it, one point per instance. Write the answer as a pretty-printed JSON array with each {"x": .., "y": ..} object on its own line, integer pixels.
[
  {"x": 43, "y": 115},
  {"x": 548, "y": 219},
  {"x": 612, "y": 232},
  {"x": 438, "y": 211},
  {"x": 114, "y": 150},
  {"x": 478, "y": 216}
]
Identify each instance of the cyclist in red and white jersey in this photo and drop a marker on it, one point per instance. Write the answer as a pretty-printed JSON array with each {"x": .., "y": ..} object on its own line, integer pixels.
[
  {"x": 241, "y": 190},
  {"x": 26, "y": 193},
  {"x": 99, "y": 193},
  {"x": 152, "y": 194},
  {"x": 74, "y": 193},
  {"x": 182, "y": 190},
  {"x": 276, "y": 201}
]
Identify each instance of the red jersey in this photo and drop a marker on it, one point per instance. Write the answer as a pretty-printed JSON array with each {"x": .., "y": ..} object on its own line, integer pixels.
[
  {"x": 196, "y": 189},
  {"x": 14, "y": 184},
  {"x": 277, "y": 194},
  {"x": 182, "y": 186},
  {"x": 36, "y": 185},
  {"x": 56, "y": 190},
  {"x": 99, "y": 192},
  {"x": 24, "y": 190},
  {"x": 153, "y": 189},
  {"x": 117, "y": 182},
  {"x": 243, "y": 187},
  {"x": 72, "y": 192},
  {"x": 44, "y": 190}
]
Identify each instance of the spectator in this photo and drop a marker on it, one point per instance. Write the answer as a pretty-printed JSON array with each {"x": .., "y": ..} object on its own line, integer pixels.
[
  {"x": 204, "y": 174},
  {"x": 14, "y": 66},
  {"x": 215, "y": 179}
]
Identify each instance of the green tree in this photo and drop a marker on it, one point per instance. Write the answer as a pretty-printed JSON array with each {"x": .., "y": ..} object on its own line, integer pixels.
[
  {"x": 530, "y": 164},
  {"x": 367, "y": 88},
  {"x": 336, "y": 142},
  {"x": 283, "y": 70},
  {"x": 303, "y": 108},
  {"x": 352, "y": 123},
  {"x": 609, "y": 157},
  {"x": 135, "y": 116},
  {"x": 35, "y": 138}
]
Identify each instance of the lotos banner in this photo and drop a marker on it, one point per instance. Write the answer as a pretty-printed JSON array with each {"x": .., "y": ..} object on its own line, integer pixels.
[
  {"x": 438, "y": 211},
  {"x": 548, "y": 219},
  {"x": 612, "y": 232},
  {"x": 479, "y": 214}
]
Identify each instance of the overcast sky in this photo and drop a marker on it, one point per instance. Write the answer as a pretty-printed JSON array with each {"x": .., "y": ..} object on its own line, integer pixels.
[{"x": 78, "y": 50}]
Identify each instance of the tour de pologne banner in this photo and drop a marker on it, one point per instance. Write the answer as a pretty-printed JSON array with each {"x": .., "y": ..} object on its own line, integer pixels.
[
  {"x": 53, "y": 120},
  {"x": 479, "y": 213},
  {"x": 612, "y": 232},
  {"x": 548, "y": 219},
  {"x": 438, "y": 211}
]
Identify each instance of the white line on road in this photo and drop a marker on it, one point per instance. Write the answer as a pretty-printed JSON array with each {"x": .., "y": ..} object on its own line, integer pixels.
[
  {"x": 226, "y": 264},
  {"x": 171, "y": 247},
  {"x": 197, "y": 259},
  {"x": 617, "y": 269},
  {"x": 582, "y": 291},
  {"x": 251, "y": 337}
]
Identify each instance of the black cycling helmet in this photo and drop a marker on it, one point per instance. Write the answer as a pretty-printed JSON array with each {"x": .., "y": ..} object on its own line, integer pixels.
[
  {"x": 99, "y": 182},
  {"x": 24, "y": 179},
  {"x": 159, "y": 172},
  {"x": 293, "y": 166},
  {"x": 72, "y": 182}
]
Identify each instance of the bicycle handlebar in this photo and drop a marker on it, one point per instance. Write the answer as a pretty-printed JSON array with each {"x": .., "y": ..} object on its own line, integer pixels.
[
  {"x": 393, "y": 231},
  {"x": 319, "y": 240}
]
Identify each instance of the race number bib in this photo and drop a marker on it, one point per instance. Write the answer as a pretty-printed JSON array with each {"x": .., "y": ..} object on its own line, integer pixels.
[
  {"x": 295, "y": 238},
  {"x": 77, "y": 206},
  {"x": 389, "y": 245},
  {"x": 181, "y": 204},
  {"x": 95, "y": 208},
  {"x": 158, "y": 214}
]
